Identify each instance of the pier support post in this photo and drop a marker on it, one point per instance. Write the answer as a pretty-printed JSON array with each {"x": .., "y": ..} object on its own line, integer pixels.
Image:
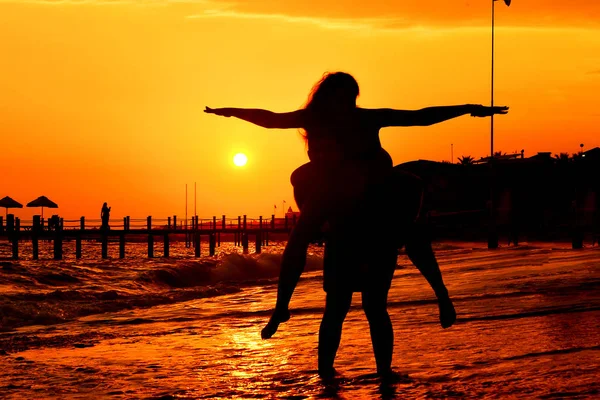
[
  {"x": 175, "y": 222},
  {"x": 122, "y": 245},
  {"x": 13, "y": 234},
  {"x": 150, "y": 246},
  {"x": 35, "y": 231},
  {"x": 35, "y": 246},
  {"x": 211, "y": 244},
  {"x": 150, "y": 237},
  {"x": 78, "y": 238},
  {"x": 258, "y": 242},
  {"x": 15, "y": 245},
  {"x": 58, "y": 253},
  {"x": 166, "y": 244},
  {"x": 245, "y": 236},
  {"x": 78, "y": 246},
  {"x": 245, "y": 242},
  {"x": 197, "y": 244},
  {"x": 1, "y": 225},
  {"x": 104, "y": 245}
]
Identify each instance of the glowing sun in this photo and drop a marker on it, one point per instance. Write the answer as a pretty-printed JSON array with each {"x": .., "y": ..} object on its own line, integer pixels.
[{"x": 240, "y": 159}]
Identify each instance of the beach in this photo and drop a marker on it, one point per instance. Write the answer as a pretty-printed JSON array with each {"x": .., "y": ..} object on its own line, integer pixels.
[{"x": 187, "y": 328}]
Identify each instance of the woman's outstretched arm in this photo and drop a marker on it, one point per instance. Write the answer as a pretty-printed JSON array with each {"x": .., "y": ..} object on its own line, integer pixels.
[
  {"x": 264, "y": 118},
  {"x": 431, "y": 115}
]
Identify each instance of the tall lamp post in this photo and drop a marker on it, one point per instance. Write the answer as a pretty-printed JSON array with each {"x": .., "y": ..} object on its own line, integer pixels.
[
  {"x": 507, "y": 2},
  {"x": 493, "y": 234}
]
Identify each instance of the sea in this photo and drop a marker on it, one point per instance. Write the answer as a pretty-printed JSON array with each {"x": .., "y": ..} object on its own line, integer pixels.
[{"x": 182, "y": 327}]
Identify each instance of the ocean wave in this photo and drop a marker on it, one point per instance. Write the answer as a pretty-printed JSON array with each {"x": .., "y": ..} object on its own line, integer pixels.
[
  {"x": 45, "y": 293},
  {"x": 60, "y": 306},
  {"x": 230, "y": 268}
]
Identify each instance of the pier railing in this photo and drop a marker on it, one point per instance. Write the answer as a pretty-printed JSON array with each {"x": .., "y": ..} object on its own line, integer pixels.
[
  {"x": 191, "y": 230},
  {"x": 143, "y": 224}
]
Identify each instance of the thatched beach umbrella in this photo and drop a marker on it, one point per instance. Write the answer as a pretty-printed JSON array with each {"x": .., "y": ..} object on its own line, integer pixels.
[
  {"x": 42, "y": 201},
  {"x": 7, "y": 203}
]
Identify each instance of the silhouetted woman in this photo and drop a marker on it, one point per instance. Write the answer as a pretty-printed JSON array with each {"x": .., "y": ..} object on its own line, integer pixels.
[
  {"x": 105, "y": 216},
  {"x": 346, "y": 163}
]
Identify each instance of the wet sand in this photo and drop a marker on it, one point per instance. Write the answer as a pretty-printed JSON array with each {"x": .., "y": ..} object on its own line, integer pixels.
[{"x": 527, "y": 327}]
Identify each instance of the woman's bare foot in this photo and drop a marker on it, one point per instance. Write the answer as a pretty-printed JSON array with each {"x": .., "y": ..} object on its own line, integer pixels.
[
  {"x": 278, "y": 317},
  {"x": 447, "y": 312}
]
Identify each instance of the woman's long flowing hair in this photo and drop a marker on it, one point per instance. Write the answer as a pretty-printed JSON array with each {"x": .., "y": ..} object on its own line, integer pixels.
[{"x": 334, "y": 91}]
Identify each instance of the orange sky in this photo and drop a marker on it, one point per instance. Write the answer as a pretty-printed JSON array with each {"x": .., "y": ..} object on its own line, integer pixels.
[{"x": 102, "y": 100}]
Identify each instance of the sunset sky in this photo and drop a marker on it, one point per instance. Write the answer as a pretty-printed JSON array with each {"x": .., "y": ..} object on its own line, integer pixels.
[{"x": 103, "y": 100}]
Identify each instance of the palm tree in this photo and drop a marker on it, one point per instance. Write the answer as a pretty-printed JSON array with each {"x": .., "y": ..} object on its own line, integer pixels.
[
  {"x": 466, "y": 160},
  {"x": 562, "y": 158}
]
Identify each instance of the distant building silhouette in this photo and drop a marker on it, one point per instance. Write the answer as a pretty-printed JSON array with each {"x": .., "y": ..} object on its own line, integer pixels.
[
  {"x": 592, "y": 154},
  {"x": 291, "y": 213}
]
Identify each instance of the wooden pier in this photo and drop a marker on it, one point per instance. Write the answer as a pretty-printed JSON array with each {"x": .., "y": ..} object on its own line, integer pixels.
[{"x": 193, "y": 231}]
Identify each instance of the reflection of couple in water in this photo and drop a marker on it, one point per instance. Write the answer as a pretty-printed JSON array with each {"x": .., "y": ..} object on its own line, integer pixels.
[{"x": 348, "y": 176}]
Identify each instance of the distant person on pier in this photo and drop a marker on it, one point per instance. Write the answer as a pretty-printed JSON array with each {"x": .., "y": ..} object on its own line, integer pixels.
[
  {"x": 348, "y": 168},
  {"x": 105, "y": 216}
]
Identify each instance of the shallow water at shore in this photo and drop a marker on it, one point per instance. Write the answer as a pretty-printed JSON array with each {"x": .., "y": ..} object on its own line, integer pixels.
[{"x": 527, "y": 327}]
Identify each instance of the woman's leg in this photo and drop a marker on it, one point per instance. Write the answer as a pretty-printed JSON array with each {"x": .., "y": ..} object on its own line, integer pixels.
[
  {"x": 337, "y": 305},
  {"x": 321, "y": 192},
  {"x": 311, "y": 194},
  {"x": 418, "y": 241},
  {"x": 420, "y": 252},
  {"x": 293, "y": 261}
]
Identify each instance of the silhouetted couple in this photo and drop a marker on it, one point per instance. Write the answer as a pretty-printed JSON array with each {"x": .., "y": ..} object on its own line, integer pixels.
[{"x": 349, "y": 176}]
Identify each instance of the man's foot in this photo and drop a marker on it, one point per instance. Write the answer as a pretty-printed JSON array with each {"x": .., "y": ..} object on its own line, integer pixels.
[
  {"x": 447, "y": 312},
  {"x": 278, "y": 317}
]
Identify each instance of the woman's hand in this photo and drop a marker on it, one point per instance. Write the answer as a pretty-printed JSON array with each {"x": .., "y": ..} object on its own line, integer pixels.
[
  {"x": 222, "y": 112},
  {"x": 477, "y": 110}
]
